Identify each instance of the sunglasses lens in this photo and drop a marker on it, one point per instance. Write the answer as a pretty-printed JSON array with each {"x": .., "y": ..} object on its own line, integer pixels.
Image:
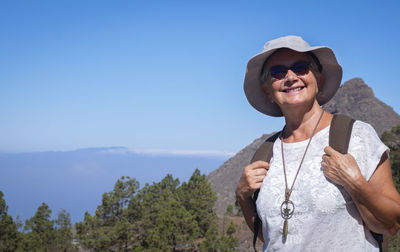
[
  {"x": 278, "y": 72},
  {"x": 301, "y": 68}
]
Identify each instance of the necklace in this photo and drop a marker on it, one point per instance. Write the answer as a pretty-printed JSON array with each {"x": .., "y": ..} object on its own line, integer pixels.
[{"x": 287, "y": 206}]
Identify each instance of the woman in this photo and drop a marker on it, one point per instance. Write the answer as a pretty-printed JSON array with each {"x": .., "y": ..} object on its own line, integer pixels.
[{"x": 313, "y": 198}]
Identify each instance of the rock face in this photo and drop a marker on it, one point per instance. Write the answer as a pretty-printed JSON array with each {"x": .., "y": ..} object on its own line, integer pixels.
[
  {"x": 353, "y": 98},
  {"x": 357, "y": 100}
]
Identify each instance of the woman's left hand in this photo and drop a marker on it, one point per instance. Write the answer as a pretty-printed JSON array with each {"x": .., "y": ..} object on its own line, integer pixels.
[
  {"x": 377, "y": 200},
  {"x": 342, "y": 169}
]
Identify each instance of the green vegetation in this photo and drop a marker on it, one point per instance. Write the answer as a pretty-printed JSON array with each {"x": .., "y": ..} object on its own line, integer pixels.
[
  {"x": 39, "y": 234},
  {"x": 43, "y": 234},
  {"x": 9, "y": 236},
  {"x": 159, "y": 217},
  {"x": 392, "y": 140},
  {"x": 164, "y": 216},
  {"x": 224, "y": 242}
]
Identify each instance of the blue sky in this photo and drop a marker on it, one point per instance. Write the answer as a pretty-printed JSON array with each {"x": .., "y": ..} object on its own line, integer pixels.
[{"x": 167, "y": 75}]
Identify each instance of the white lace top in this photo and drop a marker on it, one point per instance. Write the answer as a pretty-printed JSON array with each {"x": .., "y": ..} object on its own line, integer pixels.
[{"x": 325, "y": 217}]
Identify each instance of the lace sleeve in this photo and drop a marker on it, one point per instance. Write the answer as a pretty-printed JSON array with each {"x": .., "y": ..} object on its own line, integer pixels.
[{"x": 366, "y": 147}]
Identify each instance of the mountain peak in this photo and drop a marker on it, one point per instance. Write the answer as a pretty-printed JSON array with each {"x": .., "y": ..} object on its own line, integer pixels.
[
  {"x": 356, "y": 99},
  {"x": 356, "y": 87}
]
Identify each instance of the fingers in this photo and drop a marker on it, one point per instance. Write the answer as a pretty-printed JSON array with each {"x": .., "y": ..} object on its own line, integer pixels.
[
  {"x": 324, "y": 165},
  {"x": 259, "y": 179},
  {"x": 330, "y": 165},
  {"x": 326, "y": 160},
  {"x": 330, "y": 151},
  {"x": 256, "y": 172},
  {"x": 258, "y": 168},
  {"x": 252, "y": 178},
  {"x": 258, "y": 165},
  {"x": 326, "y": 170}
]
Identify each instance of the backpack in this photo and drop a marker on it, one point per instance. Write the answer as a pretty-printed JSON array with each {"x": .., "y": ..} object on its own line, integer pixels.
[{"x": 339, "y": 139}]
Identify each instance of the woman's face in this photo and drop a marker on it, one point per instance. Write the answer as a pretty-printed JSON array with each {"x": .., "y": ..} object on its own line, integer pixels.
[{"x": 290, "y": 89}]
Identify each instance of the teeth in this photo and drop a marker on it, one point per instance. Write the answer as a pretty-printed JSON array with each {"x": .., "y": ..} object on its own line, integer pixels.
[{"x": 293, "y": 90}]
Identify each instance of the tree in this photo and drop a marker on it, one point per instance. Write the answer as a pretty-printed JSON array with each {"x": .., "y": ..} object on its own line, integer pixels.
[
  {"x": 238, "y": 208},
  {"x": 9, "y": 236},
  {"x": 224, "y": 242},
  {"x": 112, "y": 226},
  {"x": 199, "y": 199},
  {"x": 175, "y": 228},
  {"x": 63, "y": 234},
  {"x": 115, "y": 202},
  {"x": 152, "y": 200},
  {"x": 229, "y": 210},
  {"x": 40, "y": 231},
  {"x": 392, "y": 140},
  {"x": 231, "y": 229},
  {"x": 228, "y": 242},
  {"x": 161, "y": 216},
  {"x": 211, "y": 241},
  {"x": 88, "y": 232}
]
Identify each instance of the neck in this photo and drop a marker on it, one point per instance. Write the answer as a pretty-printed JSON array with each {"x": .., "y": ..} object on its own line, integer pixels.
[{"x": 300, "y": 122}]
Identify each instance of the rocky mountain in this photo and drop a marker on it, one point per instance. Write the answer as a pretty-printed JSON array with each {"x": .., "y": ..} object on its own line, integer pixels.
[
  {"x": 356, "y": 99},
  {"x": 353, "y": 98}
]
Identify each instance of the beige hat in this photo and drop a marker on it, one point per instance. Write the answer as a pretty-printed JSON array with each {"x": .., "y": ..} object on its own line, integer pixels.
[{"x": 331, "y": 71}]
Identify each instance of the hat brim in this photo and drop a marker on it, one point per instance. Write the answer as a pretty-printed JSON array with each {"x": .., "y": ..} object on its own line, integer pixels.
[{"x": 331, "y": 71}]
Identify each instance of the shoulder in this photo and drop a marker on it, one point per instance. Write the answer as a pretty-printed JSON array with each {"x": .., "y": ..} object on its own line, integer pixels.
[
  {"x": 364, "y": 127},
  {"x": 366, "y": 147},
  {"x": 364, "y": 133}
]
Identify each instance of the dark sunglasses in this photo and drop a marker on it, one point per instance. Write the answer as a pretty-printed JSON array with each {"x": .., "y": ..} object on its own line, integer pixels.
[{"x": 299, "y": 68}]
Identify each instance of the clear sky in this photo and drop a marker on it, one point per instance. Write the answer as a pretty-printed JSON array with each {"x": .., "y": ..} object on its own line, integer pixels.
[{"x": 167, "y": 74}]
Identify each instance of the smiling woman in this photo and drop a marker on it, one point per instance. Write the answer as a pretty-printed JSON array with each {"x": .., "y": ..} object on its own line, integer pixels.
[
  {"x": 308, "y": 189},
  {"x": 281, "y": 71}
]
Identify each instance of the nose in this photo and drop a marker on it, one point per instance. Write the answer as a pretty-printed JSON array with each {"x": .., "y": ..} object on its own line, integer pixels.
[{"x": 290, "y": 76}]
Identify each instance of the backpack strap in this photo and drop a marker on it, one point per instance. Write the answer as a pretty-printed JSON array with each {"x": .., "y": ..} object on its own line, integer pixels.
[
  {"x": 339, "y": 139},
  {"x": 263, "y": 153},
  {"x": 340, "y": 132}
]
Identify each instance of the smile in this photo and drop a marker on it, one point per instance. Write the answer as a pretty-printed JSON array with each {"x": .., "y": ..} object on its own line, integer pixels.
[{"x": 290, "y": 90}]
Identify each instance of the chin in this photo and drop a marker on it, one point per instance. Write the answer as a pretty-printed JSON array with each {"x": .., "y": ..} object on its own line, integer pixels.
[{"x": 296, "y": 103}]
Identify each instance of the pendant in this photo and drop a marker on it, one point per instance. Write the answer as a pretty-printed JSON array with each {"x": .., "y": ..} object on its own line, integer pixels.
[
  {"x": 285, "y": 229},
  {"x": 287, "y": 210}
]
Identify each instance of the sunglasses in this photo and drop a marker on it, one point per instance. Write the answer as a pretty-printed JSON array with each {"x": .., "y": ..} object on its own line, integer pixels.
[{"x": 299, "y": 68}]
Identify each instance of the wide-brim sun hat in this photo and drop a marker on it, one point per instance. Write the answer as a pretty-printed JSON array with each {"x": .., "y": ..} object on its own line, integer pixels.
[{"x": 331, "y": 71}]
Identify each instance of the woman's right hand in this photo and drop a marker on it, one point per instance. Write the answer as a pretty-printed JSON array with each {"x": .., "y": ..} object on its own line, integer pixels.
[{"x": 251, "y": 179}]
